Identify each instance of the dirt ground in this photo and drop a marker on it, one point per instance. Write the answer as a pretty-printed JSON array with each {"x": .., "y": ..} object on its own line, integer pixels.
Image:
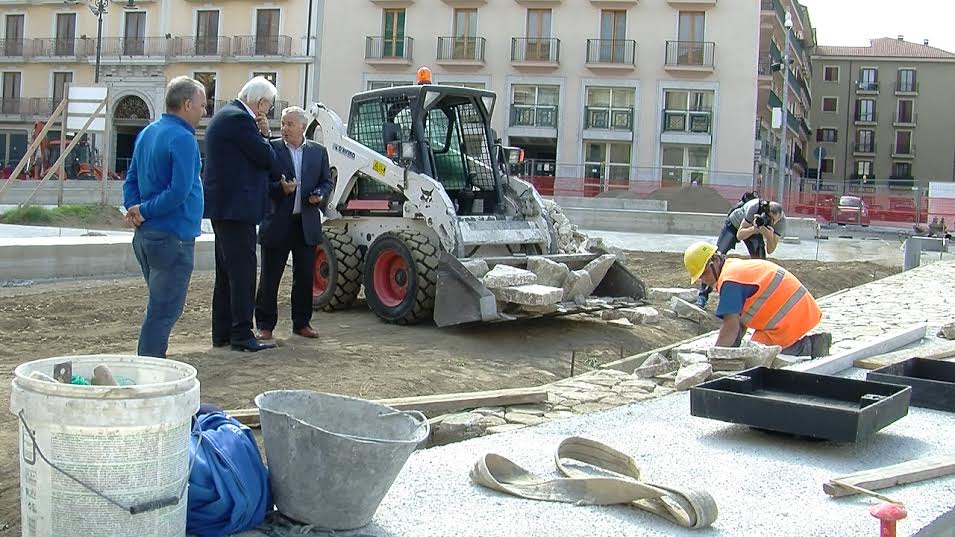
[{"x": 355, "y": 355}]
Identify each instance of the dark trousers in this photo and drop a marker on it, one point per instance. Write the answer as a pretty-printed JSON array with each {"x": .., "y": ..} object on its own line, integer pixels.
[
  {"x": 273, "y": 267},
  {"x": 234, "y": 294},
  {"x": 728, "y": 241}
]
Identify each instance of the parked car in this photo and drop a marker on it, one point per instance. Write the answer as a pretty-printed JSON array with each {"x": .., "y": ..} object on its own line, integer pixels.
[{"x": 852, "y": 210}]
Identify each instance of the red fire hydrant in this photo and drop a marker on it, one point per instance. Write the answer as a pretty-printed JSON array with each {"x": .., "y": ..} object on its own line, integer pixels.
[{"x": 888, "y": 513}]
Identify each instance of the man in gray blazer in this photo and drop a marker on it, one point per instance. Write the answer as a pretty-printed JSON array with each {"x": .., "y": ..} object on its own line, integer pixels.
[{"x": 300, "y": 184}]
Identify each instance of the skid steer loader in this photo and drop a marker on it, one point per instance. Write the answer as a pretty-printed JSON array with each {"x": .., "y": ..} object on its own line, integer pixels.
[{"x": 422, "y": 184}]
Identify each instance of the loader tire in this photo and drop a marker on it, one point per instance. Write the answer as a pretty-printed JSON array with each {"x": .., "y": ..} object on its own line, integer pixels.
[
  {"x": 401, "y": 274},
  {"x": 337, "y": 277}
]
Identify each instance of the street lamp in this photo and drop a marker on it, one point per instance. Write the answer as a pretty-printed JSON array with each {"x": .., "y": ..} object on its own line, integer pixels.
[
  {"x": 98, "y": 8},
  {"x": 785, "y": 116}
]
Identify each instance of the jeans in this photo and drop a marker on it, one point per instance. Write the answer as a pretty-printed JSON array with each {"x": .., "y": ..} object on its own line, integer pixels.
[{"x": 166, "y": 261}]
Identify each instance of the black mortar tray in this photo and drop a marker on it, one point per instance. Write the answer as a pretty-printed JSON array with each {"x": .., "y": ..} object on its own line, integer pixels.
[
  {"x": 932, "y": 381},
  {"x": 803, "y": 404}
]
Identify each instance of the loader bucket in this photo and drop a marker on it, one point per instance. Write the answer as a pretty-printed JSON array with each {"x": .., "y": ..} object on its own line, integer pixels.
[{"x": 461, "y": 298}]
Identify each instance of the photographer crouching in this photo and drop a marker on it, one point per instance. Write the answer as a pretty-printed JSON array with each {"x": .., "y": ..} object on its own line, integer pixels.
[{"x": 758, "y": 224}]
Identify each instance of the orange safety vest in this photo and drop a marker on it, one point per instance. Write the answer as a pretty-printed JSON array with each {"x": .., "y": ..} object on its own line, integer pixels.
[{"x": 781, "y": 311}]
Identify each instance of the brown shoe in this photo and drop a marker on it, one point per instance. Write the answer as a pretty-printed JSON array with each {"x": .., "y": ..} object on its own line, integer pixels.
[
  {"x": 264, "y": 335},
  {"x": 306, "y": 331}
]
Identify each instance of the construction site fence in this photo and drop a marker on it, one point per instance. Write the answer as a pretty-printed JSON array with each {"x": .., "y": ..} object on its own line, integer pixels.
[{"x": 887, "y": 203}]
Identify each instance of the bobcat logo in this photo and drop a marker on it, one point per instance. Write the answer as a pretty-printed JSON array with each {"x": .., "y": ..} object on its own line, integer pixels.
[{"x": 426, "y": 195}]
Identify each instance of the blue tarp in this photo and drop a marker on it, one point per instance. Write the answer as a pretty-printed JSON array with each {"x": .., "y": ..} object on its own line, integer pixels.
[{"x": 229, "y": 485}]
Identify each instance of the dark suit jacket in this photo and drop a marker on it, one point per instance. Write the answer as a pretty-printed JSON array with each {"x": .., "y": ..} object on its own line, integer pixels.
[
  {"x": 237, "y": 168},
  {"x": 316, "y": 179}
]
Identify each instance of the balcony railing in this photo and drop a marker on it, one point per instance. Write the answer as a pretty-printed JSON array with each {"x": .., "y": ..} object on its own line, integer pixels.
[
  {"x": 612, "y": 51},
  {"x": 602, "y": 117},
  {"x": 58, "y": 47},
  {"x": 461, "y": 48},
  {"x": 907, "y": 150},
  {"x": 774, "y": 5},
  {"x": 203, "y": 46},
  {"x": 388, "y": 48},
  {"x": 12, "y": 48},
  {"x": 696, "y": 120},
  {"x": 866, "y": 117},
  {"x": 262, "y": 45},
  {"x": 524, "y": 115},
  {"x": 765, "y": 65},
  {"x": 864, "y": 147},
  {"x": 901, "y": 181},
  {"x": 906, "y": 86},
  {"x": 868, "y": 86},
  {"x": 143, "y": 47},
  {"x": 27, "y": 106},
  {"x": 535, "y": 49},
  {"x": 911, "y": 118},
  {"x": 690, "y": 53}
]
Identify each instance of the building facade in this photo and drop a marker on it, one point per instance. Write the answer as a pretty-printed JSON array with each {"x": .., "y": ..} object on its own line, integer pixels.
[
  {"x": 772, "y": 43},
  {"x": 614, "y": 94},
  {"x": 47, "y": 45},
  {"x": 884, "y": 116}
]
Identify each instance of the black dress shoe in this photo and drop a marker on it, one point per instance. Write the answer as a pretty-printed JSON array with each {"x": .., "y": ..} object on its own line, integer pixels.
[
  {"x": 220, "y": 343},
  {"x": 252, "y": 345}
]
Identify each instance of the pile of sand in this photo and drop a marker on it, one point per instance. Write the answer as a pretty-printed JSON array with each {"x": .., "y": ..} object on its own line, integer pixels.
[{"x": 692, "y": 199}]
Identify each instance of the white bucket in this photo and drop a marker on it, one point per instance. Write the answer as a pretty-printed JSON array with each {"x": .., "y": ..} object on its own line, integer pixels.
[{"x": 129, "y": 443}]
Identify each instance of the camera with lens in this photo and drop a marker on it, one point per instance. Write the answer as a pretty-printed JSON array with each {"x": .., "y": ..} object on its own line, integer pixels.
[{"x": 762, "y": 218}]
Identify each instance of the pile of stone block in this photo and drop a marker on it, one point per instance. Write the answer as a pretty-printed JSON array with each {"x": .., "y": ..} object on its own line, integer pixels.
[
  {"x": 545, "y": 285},
  {"x": 698, "y": 361}
]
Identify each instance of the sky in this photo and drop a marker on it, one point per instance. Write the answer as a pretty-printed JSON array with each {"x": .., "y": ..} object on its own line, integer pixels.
[{"x": 853, "y": 22}]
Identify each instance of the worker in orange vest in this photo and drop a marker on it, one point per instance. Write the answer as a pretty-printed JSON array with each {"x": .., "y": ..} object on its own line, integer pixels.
[{"x": 761, "y": 295}]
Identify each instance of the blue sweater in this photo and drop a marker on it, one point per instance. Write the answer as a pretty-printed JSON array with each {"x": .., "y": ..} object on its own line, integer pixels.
[{"x": 163, "y": 178}]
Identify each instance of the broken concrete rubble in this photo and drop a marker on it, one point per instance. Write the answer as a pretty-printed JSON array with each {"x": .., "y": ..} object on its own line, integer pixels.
[
  {"x": 477, "y": 267},
  {"x": 687, "y": 358},
  {"x": 533, "y": 294},
  {"x": 664, "y": 294},
  {"x": 648, "y": 371},
  {"x": 753, "y": 356},
  {"x": 947, "y": 331},
  {"x": 577, "y": 286},
  {"x": 507, "y": 276},
  {"x": 550, "y": 273},
  {"x": 685, "y": 310},
  {"x": 691, "y": 375}
]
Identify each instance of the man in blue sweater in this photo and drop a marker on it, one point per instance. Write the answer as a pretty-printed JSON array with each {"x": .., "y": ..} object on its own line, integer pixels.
[{"x": 164, "y": 201}]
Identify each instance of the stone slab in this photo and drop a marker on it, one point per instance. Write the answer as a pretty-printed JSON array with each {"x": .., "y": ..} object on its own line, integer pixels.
[
  {"x": 656, "y": 370},
  {"x": 664, "y": 294},
  {"x": 685, "y": 310},
  {"x": 598, "y": 268},
  {"x": 477, "y": 267},
  {"x": 531, "y": 295},
  {"x": 548, "y": 272},
  {"x": 507, "y": 276},
  {"x": 691, "y": 375},
  {"x": 578, "y": 285}
]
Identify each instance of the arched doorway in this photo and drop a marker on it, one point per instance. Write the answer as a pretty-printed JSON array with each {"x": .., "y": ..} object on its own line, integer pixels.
[{"x": 130, "y": 115}]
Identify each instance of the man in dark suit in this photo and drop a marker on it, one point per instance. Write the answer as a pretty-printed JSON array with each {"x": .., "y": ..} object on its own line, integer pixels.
[
  {"x": 239, "y": 160},
  {"x": 300, "y": 184}
]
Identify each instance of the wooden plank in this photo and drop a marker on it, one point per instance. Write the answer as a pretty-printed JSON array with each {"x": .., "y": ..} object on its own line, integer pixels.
[
  {"x": 890, "y": 476},
  {"x": 936, "y": 350},
  {"x": 880, "y": 345},
  {"x": 440, "y": 403}
]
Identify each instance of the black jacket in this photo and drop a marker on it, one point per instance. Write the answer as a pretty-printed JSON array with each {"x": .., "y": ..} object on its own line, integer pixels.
[
  {"x": 237, "y": 168},
  {"x": 315, "y": 179}
]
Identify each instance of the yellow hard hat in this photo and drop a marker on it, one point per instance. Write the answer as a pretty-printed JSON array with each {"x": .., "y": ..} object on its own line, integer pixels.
[{"x": 696, "y": 257}]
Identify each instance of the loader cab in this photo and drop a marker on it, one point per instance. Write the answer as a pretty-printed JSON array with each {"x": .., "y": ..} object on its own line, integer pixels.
[{"x": 439, "y": 131}]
